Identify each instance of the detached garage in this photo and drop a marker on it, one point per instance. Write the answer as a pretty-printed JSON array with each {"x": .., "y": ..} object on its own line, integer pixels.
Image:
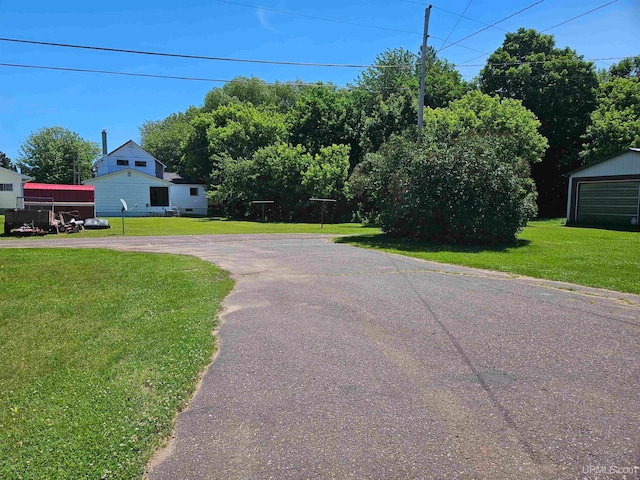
[{"x": 606, "y": 192}]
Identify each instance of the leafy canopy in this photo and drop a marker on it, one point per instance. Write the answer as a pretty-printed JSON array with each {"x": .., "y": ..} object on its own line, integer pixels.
[
  {"x": 555, "y": 84},
  {"x": 615, "y": 123},
  {"x": 235, "y": 130},
  {"x": 558, "y": 86},
  {"x": 285, "y": 174},
  {"x": 57, "y": 155},
  {"x": 163, "y": 138}
]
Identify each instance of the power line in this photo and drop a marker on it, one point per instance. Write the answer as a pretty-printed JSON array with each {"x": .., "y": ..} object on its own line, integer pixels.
[
  {"x": 149, "y": 75},
  {"x": 215, "y": 80},
  {"x": 189, "y": 56},
  {"x": 494, "y": 23},
  {"x": 454, "y": 27},
  {"x": 554, "y": 26},
  {"x": 472, "y": 59},
  {"x": 461, "y": 46},
  {"x": 453, "y": 13},
  {"x": 109, "y": 72},
  {"x": 535, "y": 62},
  {"x": 203, "y": 57},
  {"x": 324, "y": 19},
  {"x": 581, "y": 15}
]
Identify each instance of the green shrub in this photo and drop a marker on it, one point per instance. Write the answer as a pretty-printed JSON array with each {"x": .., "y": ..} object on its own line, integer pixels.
[{"x": 457, "y": 189}]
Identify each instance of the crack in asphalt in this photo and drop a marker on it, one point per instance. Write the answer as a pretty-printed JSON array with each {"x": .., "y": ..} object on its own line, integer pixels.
[{"x": 508, "y": 419}]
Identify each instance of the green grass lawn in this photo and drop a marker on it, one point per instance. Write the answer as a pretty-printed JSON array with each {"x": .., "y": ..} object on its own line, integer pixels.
[
  {"x": 545, "y": 249},
  {"x": 205, "y": 226},
  {"x": 98, "y": 351}
]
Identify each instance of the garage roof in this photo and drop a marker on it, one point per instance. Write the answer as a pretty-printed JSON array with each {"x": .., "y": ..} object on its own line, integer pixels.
[{"x": 602, "y": 160}]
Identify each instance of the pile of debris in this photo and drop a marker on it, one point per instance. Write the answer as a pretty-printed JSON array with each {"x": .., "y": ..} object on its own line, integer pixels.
[{"x": 24, "y": 222}]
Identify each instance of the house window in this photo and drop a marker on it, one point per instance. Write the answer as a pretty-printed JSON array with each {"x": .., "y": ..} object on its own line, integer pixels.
[
  {"x": 6, "y": 187},
  {"x": 122, "y": 163},
  {"x": 159, "y": 196},
  {"x": 140, "y": 163},
  {"x": 193, "y": 192}
]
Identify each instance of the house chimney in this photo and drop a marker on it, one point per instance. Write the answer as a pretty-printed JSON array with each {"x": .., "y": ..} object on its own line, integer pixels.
[{"x": 104, "y": 142}]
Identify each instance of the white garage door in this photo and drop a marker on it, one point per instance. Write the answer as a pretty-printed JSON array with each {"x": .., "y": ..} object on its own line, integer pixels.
[{"x": 608, "y": 202}]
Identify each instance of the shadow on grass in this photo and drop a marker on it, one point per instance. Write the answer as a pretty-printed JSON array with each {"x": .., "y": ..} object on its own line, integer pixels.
[
  {"x": 614, "y": 227},
  {"x": 382, "y": 241}
]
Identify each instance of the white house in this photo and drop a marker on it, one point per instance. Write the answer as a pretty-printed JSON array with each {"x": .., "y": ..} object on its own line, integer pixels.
[
  {"x": 133, "y": 174},
  {"x": 11, "y": 187},
  {"x": 606, "y": 191}
]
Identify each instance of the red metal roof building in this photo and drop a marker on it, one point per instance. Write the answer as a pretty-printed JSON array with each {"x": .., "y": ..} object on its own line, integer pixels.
[{"x": 65, "y": 198}]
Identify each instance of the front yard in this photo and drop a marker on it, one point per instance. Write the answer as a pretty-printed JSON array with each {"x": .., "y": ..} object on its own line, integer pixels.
[{"x": 98, "y": 351}]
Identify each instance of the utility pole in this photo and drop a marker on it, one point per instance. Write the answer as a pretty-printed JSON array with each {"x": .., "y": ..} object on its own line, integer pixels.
[{"x": 427, "y": 12}]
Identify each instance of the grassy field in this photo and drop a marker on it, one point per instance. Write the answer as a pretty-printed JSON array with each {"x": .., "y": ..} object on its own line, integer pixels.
[
  {"x": 545, "y": 249},
  {"x": 144, "y": 226},
  {"x": 98, "y": 351}
]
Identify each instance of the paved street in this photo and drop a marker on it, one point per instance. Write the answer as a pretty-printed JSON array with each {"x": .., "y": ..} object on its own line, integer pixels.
[{"x": 339, "y": 362}]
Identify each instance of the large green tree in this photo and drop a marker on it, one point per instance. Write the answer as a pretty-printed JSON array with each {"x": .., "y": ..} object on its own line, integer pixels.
[
  {"x": 322, "y": 116},
  {"x": 615, "y": 123},
  {"x": 235, "y": 130},
  {"x": 559, "y": 87},
  {"x": 163, "y": 138},
  {"x": 272, "y": 173},
  {"x": 255, "y": 91},
  {"x": 514, "y": 127},
  {"x": 286, "y": 174},
  {"x": 626, "y": 68},
  {"x": 387, "y": 93},
  {"x": 57, "y": 155},
  {"x": 422, "y": 202}
]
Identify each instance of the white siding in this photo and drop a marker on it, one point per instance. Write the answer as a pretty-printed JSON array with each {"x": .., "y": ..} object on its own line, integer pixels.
[
  {"x": 181, "y": 197},
  {"x": 130, "y": 152},
  {"x": 8, "y": 199},
  {"x": 132, "y": 187},
  {"x": 627, "y": 163}
]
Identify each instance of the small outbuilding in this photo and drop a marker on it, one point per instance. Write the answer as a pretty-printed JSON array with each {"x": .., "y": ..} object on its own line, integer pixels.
[
  {"x": 606, "y": 192},
  {"x": 63, "y": 198}
]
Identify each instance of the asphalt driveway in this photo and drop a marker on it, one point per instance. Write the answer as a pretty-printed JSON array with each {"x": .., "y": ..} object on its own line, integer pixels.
[{"x": 338, "y": 362}]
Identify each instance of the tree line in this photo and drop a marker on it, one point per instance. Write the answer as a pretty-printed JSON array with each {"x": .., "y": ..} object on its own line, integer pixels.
[{"x": 493, "y": 151}]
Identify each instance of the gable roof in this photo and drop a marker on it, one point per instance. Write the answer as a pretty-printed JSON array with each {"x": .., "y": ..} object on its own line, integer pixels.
[
  {"x": 24, "y": 178},
  {"x": 121, "y": 172},
  {"x": 602, "y": 160},
  {"x": 138, "y": 146},
  {"x": 99, "y": 158}
]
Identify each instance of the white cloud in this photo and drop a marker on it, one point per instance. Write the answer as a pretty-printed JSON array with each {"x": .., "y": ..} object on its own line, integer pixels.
[{"x": 263, "y": 17}]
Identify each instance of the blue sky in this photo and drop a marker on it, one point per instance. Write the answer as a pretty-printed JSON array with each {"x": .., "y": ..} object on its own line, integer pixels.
[{"x": 88, "y": 102}]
